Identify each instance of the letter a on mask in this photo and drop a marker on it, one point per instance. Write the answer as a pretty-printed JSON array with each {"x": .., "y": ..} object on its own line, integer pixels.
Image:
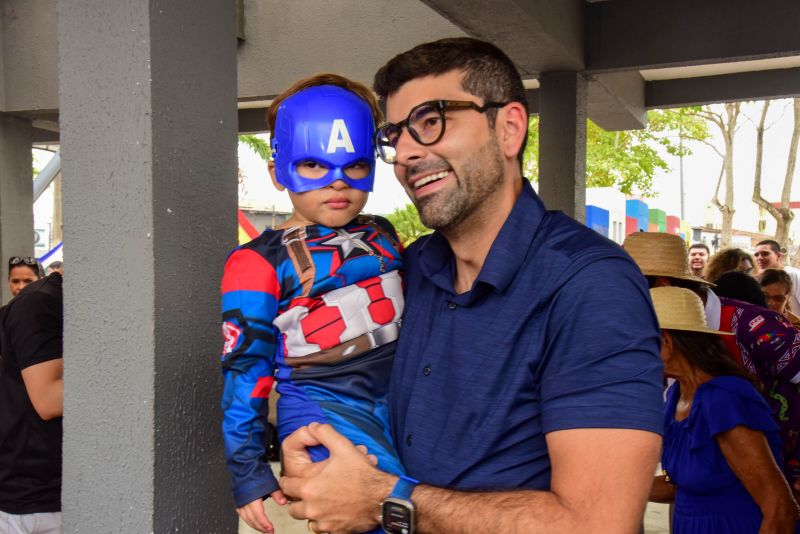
[{"x": 340, "y": 138}]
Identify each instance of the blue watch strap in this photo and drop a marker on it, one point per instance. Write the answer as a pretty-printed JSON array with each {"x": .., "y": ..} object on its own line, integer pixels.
[{"x": 405, "y": 485}]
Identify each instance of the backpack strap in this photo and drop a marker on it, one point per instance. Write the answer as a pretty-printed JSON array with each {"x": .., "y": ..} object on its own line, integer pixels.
[{"x": 294, "y": 239}]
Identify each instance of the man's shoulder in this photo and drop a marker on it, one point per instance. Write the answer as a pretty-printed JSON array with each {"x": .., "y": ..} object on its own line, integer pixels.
[{"x": 572, "y": 243}]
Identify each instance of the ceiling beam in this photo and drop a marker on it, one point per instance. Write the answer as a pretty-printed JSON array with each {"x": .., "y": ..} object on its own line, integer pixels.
[
  {"x": 538, "y": 35},
  {"x": 758, "y": 85},
  {"x": 616, "y": 101},
  {"x": 253, "y": 120},
  {"x": 644, "y": 34}
]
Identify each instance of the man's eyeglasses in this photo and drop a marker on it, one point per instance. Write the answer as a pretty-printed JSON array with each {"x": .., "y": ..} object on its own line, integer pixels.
[
  {"x": 426, "y": 123},
  {"x": 13, "y": 261}
]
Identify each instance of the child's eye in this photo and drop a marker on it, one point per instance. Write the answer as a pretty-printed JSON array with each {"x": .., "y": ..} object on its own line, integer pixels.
[
  {"x": 358, "y": 170},
  {"x": 311, "y": 169}
]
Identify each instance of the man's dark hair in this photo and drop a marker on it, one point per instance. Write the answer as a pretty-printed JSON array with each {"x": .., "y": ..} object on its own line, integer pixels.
[
  {"x": 774, "y": 245},
  {"x": 708, "y": 353},
  {"x": 776, "y": 276},
  {"x": 700, "y": 245},
  {"x": 739, "y": 286},
  {"x": 488, "y": 72}
]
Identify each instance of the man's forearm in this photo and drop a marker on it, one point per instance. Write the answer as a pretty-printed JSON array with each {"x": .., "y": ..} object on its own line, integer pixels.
[{"x": 440, "y": 510}]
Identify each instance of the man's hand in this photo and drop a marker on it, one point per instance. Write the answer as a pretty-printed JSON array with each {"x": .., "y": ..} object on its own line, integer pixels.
[
  {"x": 340, "y": 494},
  {"x": 253, "y": 513}
]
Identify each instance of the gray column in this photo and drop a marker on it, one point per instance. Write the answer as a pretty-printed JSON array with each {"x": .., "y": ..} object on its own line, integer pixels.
[
  {"x": 16, "y": 195},
  {"x": 148, "y": 130},
  {"x": 562, "y": 142}
]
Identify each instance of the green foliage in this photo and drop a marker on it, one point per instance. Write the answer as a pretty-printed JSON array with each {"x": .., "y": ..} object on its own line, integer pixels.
[
  {"x": 407, "y": 223},
  {"x": 629, "y": 159},
  {"x": 257, "y": 145}
]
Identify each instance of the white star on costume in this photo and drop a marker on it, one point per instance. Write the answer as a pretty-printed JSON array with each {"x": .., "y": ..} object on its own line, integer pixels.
[{"x": 347, "y": 242}]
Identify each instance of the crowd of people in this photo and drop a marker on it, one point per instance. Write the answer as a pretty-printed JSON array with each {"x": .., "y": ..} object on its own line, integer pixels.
[{"x": 732, "y": 416}]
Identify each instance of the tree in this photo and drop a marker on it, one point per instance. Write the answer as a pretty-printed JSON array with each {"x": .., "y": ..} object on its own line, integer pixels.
[
  {"x": 783, "y": 216},
  {"x": 628, "y": 160},
  {"x": 727, "y": 122},
  {"x": 408, "y": 224},
  {"x": 260, "y": 147}
]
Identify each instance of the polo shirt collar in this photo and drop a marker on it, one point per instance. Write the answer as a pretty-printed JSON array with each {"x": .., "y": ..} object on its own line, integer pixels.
[{"x": 506, "y": 254}]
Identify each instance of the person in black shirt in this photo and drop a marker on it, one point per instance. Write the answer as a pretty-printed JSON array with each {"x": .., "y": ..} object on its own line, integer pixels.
[{"x": 31, "y": 394}]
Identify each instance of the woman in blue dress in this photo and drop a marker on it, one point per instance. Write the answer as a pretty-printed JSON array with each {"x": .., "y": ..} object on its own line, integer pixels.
[{"x": 721, "y": 444}]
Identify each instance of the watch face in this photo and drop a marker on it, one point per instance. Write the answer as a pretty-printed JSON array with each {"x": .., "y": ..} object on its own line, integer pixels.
[{"x": 397, "y": 517}]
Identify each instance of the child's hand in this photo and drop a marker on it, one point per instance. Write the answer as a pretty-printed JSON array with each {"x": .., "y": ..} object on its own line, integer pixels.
[
  {"x": 279, "y": 497},
  {"x": 253, "y": 514}
]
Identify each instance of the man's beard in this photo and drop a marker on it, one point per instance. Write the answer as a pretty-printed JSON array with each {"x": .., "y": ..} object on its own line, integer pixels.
[{"x": 479, "y": 177}]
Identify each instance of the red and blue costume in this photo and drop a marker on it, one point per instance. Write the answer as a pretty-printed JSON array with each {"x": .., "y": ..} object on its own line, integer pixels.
[{"x": 316, "y": 310}]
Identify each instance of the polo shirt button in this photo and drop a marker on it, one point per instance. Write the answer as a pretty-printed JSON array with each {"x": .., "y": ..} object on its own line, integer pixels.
[
  {"x": 426, "y": 371},
  {"x": 408, "y": 440},
  {"x": 451, "y": 305}
]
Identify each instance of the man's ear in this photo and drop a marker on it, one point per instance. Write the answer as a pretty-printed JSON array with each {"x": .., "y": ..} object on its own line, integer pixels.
[
  {"x": 512, "y": 126},
  {"x": 271, "y": 170}
]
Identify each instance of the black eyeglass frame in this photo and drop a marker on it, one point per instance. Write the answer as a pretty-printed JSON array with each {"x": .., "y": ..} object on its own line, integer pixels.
[
  {"x": 441, "y": 106},
  {"x": 14, "y": 261}
]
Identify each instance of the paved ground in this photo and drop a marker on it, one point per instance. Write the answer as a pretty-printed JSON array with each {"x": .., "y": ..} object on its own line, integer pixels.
[{"x": 656, "y": 520}]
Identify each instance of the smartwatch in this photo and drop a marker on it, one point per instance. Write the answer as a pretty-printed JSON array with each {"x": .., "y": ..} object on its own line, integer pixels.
[{"x": 397, "y": 510}]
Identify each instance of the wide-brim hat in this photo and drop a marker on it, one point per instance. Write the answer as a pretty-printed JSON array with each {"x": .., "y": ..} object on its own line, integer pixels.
[
  {"x": 661, "y": 254},
  {"x": 678, "y": 308}
]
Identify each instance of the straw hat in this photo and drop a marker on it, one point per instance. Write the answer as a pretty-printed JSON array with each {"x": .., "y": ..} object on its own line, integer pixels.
[
  {"x": 660, "y": 254},
  {"x": 681, "y": 309}
]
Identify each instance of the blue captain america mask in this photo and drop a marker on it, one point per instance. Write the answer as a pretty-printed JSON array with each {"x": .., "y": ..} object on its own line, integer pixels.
[{"x": 330, "y": 126}]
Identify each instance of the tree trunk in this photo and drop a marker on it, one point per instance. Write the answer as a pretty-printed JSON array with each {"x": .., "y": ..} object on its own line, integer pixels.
[
  {"x": 758, "y": 198},
  {"x": 785, "y": 222},
  {"x": 732, "y": 114}
]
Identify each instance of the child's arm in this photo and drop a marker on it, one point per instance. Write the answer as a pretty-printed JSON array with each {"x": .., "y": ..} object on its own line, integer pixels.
[{"x": 250, "y": 293}]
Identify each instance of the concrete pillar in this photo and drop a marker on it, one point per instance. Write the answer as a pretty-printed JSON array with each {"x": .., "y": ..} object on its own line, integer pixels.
[
  {"x": 148, "y": 131},
  {"x": 16, "y": 195},
  {"x": 562, "y": 142}
]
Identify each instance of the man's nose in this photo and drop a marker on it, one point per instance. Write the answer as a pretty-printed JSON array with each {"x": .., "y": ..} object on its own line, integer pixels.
[{"x": 408, "y": 149}]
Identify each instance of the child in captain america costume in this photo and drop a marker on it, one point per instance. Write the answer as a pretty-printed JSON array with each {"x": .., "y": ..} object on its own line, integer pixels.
[{"x": 315, "y": 305}]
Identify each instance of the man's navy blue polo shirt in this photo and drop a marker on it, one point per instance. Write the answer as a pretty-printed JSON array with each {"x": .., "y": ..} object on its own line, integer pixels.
[{"x": 558, "y": 332}]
